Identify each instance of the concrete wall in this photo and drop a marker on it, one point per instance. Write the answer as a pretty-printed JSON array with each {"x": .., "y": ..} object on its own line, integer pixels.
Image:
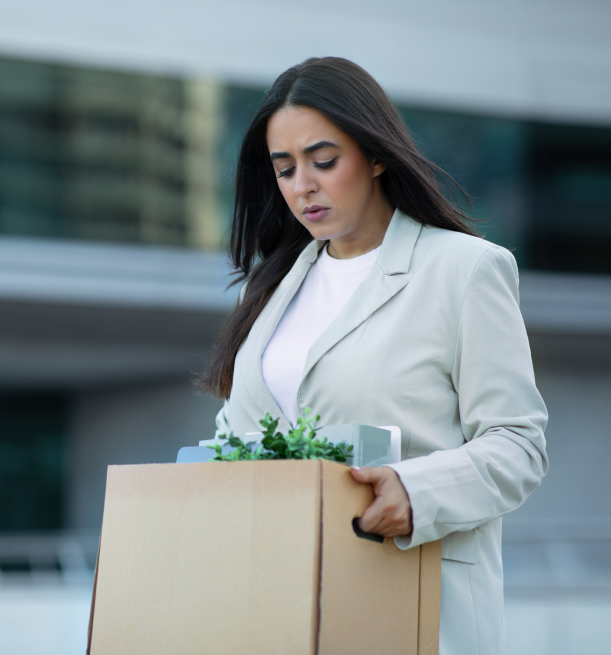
[
  {"x": 574, "y": 376},
  {"x": 132, "y": 425}
]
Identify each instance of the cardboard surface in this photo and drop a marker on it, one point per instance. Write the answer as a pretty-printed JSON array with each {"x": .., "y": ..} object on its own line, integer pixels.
[
  {"x": 430, "y": 598},
  {"x": 195, "y": 560},
  {"x": 369, "y": 591},
  {"x": 226, "y": 558}
]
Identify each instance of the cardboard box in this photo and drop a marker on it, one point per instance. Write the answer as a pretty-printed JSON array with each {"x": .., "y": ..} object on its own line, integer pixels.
[{"x": 255, "y": 557}]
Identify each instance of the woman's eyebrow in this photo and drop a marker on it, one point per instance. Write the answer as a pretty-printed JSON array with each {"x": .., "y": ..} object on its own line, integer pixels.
[
  {"x": 306, "y": 151},
  {"x": 318, "y": 146}
]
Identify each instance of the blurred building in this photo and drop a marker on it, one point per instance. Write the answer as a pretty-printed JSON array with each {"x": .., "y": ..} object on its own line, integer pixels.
[{"x": 119, "y": 131}]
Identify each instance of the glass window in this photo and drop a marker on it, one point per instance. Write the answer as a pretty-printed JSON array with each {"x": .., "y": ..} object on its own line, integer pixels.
[
  {"x": 570, "y": 211},
  {"x": 32, "y": 461},
  {"x": 99, "y": 155},
  {"x": 112, "y": 156}
]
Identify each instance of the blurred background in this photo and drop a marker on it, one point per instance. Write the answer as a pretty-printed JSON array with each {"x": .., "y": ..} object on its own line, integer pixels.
[{"x": 119, "y": 129}]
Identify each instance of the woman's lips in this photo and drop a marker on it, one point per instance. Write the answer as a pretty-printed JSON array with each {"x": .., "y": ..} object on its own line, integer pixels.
[{"x": 316, "y": 213}]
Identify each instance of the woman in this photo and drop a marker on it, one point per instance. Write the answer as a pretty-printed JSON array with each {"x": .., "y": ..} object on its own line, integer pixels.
[{"x": 369, "y": 297}]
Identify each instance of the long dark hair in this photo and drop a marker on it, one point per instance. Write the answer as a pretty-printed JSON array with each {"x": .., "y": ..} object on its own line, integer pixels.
[{"x": 266, "y": 238}]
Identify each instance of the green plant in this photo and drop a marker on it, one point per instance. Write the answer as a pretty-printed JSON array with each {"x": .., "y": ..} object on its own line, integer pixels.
[{"x": 300, "y": 442}]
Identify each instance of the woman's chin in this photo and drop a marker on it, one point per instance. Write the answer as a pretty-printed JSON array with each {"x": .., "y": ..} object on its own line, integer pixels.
[{"x": 322, "y": 232}]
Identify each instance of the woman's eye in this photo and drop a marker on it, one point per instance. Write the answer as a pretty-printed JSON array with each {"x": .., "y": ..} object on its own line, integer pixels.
[
  {"x": 317, "y": 164},
  {"x": 325, "y": 164}
]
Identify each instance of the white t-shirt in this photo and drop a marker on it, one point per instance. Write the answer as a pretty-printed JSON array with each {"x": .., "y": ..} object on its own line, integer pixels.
[{"x": 323, "y": 294}]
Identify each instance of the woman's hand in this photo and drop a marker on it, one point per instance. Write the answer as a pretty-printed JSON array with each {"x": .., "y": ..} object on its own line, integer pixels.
[{"x": 390, "y": 514}]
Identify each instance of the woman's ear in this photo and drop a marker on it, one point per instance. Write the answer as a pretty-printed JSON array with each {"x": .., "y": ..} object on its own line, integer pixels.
[{"x": 378, "y": 167}]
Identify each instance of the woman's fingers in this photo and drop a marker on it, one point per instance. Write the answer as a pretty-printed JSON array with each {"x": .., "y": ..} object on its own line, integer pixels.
[
  {"x": 372, "y": 517},
  {"x": 390, "y": 513},
  {"x": 373, "y": 475},
  {"x": 386, "y": 518}
]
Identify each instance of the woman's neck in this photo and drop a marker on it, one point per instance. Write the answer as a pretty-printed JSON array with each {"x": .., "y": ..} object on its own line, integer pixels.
[{"x": 366, "y": 239}]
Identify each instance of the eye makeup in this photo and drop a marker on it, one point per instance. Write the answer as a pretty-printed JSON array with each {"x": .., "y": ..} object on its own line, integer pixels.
[
  {"x": 322, "y": 164},
  {"x": 326, "y": 164}
]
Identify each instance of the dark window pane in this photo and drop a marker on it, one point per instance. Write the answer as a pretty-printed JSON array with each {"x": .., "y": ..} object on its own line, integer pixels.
[
  {"x": 570, "y": 215},
  {"x": 487, "y": 157},
  {"x": 32, "y": 454}
]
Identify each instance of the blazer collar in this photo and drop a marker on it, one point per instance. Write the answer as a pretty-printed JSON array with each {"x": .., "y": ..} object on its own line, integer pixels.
[
  {"x": 395, "y": 254},
  {"x": 388, "y": 276},
  {"x": 398, "y": 244}
]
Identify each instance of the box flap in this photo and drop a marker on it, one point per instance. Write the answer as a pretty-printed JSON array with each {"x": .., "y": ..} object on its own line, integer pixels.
[
  {"x": 190, "y": 549},
  {"x": 369, "y": 591}
]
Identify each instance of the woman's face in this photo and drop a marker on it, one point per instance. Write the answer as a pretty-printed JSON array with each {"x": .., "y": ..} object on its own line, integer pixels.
[{"x": 327, "y": 182}]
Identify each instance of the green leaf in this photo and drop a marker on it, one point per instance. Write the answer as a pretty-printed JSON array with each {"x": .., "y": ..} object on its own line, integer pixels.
[{"x": 300, "y": 442}]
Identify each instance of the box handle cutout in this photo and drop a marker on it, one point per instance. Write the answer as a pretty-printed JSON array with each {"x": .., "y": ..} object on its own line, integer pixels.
[{"x": 378, "y": 538}]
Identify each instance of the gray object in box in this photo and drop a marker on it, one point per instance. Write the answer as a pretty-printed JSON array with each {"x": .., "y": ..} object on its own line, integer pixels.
[{"x": 371, "y": 446}]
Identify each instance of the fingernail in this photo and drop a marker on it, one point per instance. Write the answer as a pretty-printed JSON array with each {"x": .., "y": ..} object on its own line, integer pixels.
[{"x": 355, "y": 468}]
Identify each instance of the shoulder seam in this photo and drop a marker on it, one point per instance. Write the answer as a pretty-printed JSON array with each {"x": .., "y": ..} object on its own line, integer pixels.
[{"x": 462, "y": 306}]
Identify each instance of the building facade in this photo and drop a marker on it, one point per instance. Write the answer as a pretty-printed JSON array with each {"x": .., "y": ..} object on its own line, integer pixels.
[{"x": 117, "y": 159}]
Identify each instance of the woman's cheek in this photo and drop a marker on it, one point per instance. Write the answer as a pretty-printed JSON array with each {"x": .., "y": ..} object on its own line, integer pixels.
[
  {"x": 349, "y": 180},
  {"x": 288, "y": 195}
]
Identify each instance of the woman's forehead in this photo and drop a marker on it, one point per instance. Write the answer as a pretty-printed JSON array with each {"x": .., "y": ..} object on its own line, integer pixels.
[{"x": 295, "y": 128}]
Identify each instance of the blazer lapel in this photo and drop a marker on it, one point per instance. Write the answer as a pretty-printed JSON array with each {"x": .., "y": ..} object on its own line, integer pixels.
[
  {"x": 388, "y": 276},
  {"x": 266, "y": 324}
]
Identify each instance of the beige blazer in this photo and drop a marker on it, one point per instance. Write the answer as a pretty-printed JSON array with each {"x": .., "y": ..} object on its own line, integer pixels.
[{"x": 433, "y": 341}]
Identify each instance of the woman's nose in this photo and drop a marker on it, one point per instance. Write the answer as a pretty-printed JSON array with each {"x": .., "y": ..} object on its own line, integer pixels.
[{"x": 304, "y": 181}]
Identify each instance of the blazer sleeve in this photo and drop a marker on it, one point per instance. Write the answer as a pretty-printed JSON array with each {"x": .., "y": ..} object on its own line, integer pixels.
[{"x": 502, "y": 414}]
